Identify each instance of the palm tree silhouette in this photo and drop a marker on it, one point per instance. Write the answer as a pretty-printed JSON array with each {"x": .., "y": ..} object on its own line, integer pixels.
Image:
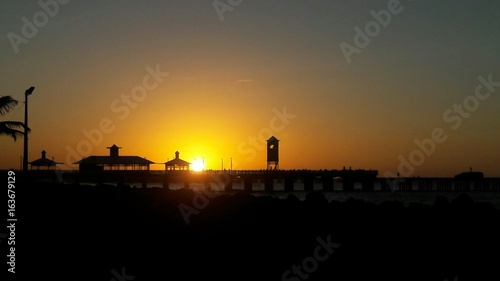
[{"x": 10, "y": 128}]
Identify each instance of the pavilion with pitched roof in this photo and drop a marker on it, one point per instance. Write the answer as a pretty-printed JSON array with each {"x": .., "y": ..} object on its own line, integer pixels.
[
  {"x": 44, "y": 163},
  {"x": 114, "y": 162},
  {"x": 177, "y": 164}
]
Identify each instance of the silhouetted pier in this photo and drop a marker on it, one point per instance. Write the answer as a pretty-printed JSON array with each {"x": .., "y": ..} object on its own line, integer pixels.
[{"x": 272, "y": 180}]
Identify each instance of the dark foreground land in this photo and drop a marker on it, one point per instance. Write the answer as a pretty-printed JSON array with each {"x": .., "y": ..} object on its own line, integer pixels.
[{"x": 107, "y": 233}]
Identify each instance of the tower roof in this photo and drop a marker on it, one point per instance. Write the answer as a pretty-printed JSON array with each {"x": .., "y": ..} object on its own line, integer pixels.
[{"x": 273, "y": 139}]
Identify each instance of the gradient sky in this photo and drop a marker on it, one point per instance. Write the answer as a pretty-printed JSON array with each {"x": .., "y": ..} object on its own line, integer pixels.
[{"x": 227, "y": 78}]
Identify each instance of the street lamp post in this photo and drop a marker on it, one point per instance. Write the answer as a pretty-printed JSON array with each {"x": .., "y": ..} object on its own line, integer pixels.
[{"x": 25, "y": 152}]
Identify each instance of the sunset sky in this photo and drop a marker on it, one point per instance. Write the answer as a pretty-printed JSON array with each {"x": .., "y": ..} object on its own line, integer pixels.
[{"x": 227, "y": 77}]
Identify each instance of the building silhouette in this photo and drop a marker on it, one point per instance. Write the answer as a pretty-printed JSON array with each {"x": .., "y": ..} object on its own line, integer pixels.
[
  {"x": 471, "y": 176},
  {"x": 114, "y": 162},
  {"x": 177, "y": 164},
  {"x": 272, "y": 153},
  {"x": 44, "y": 163}
]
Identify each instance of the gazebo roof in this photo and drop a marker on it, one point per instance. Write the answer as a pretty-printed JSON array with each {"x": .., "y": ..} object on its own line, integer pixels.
[
  {"x": 114, "y": 160},
  {"x": 177, "y": 161},
  {"x": 44, "y": 161}
]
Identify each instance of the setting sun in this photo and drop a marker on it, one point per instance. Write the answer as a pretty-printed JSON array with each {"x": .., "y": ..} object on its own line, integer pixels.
[{"x": 198, "y": 165}]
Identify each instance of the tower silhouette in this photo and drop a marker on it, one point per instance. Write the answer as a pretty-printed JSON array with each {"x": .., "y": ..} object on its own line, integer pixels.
[{"x": 272, "y": 153}]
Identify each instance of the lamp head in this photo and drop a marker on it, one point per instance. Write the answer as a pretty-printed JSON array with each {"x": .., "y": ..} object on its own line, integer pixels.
[{"x": 29, "y": 91}]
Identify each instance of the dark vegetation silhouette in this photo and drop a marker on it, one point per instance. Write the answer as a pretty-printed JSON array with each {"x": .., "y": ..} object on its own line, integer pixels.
[
  {"x": 10, "y": 128},
  {"x": 70, "y": 232}
]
